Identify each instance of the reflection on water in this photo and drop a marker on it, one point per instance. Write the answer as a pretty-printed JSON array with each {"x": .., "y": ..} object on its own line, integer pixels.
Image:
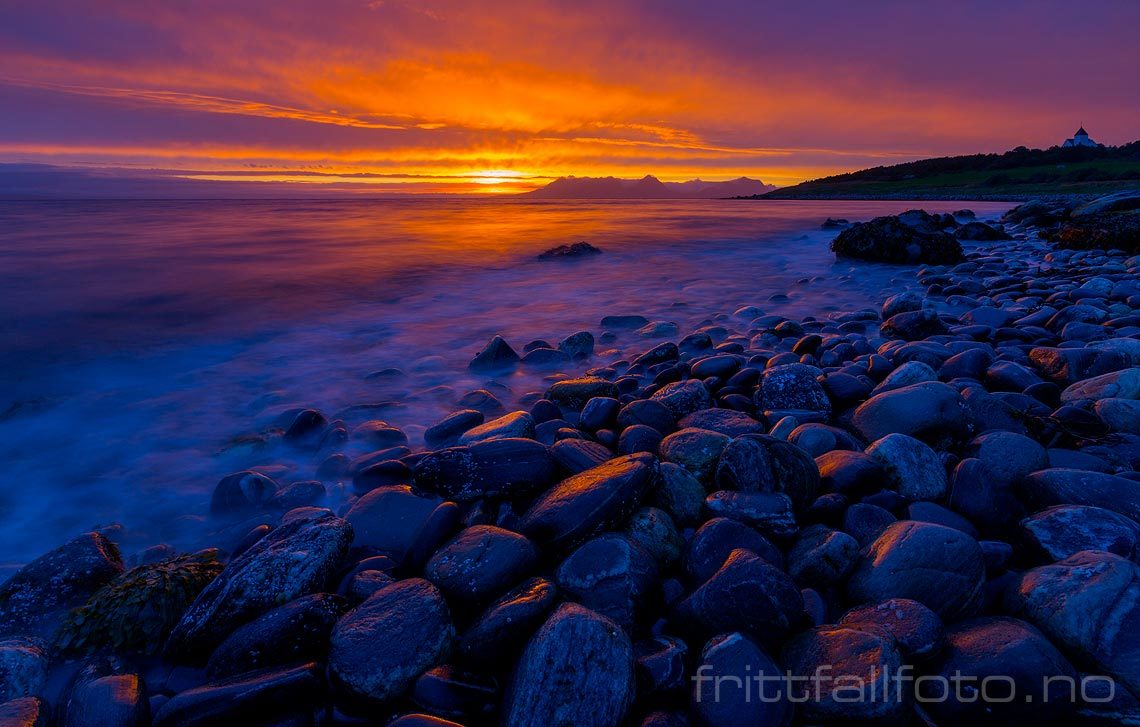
[{"x": 137, "y": 339}]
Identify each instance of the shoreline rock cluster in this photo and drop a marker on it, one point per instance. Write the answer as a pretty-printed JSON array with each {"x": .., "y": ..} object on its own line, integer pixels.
[{"x": 945, "y": 486}]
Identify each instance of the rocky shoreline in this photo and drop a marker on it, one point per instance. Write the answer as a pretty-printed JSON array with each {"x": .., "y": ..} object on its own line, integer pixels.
[{"x": 946, "y": 485}]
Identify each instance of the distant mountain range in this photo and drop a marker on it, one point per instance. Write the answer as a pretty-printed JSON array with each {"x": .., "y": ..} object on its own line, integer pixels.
[{"x": 648, "y": 187}]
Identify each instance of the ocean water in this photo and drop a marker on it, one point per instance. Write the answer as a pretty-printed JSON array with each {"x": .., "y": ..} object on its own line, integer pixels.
[{"x": 140, "y": 341}]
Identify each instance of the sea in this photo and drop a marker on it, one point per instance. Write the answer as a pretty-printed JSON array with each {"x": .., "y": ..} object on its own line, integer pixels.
[{"x": 148, "y": 347}]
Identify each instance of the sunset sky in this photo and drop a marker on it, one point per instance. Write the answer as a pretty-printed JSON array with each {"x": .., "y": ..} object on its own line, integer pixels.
[{"x": 502, "y": 96}]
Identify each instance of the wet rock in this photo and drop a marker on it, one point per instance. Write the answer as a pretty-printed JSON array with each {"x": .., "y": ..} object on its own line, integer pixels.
[
  {"x": 242, "y": 493},
  {"x": 573, "y": 394},
  {"x": 858, "y": 666},
  {"x": 1008, "y": 456},
  {"x": 697, "y": 450},
  {"x": 639, "y": 438},
  {"x": 481, "y": 562},
  {"x": 448, "y": 430},
  {"x": 930, "y": 411},
  {"x": 1118, "y": 384},
  {"x": 115, "y": 700},
  {"x": 1090, "y": 605},
  {"x": 515, "y": 424},
  {"x": 1119, "y": 415},
  {"x": 610, "y": 575},
  {"x": 502, "y": 629},
  {"x": 660, "y": 665},
  {"x": 23, "y": 668},
  {"x": 792, "y": 387},
  {"x": 914, "y": 325},
  {"x": 296, "y": 559},
  {"x": 732, "y": 658},
  {"x": 980, "y": 231},
  {"x": 715, "y": 540},
  {"x": 1065, "y": 530},
  {"x": 988, "y": 501},
  {"x": 1078, "y": 487},
  {"x": 379, "y": 648},
  {"x": 259, "y": 696},
  {"x": 24, "y": 712},
  {"x": 683, "y": 397},
  {"x": 655, "y": 531},
  {"x": 451, "y": 692},
  {"x": 679, "y": 494},
  {"x": 660, "y": 353},
  {"x": 865, "y": 522},
  {"x": 913, "y": 468},
  {"x": 915, "y": 629},
  {"x": 497, "y": 355},
  {"x": 769, "y": 512},
  {"x": 746, "y": 594},
  {"x": 379, "y": 435},
  {"x": 849, "y": 472},
  {"x": 576, "y": 455},
  {"x": 1066, "y": 366},
  {"x": 295, "y": 632},
  {"x": 305, "y": 428},
  {"x": 902, "y": 303},
  {"x": 32, "y": 599},
  {"x": 890, "y": 240},
  {"x": 578, "y": 345},
  {"x": 492, "y": 468},
  {"x": 647, "y": 412},
  {"x": 392, "y": 520},
  {"x": 822, "y": 557},
  {"x": 937, "y": 566},
  {"x": 725, "y": 421},
  {"x": 1024, "y": 676},
  {"x": 760, "y": 463},
  {"x": 585, "y": 504},
  {"x": 576, "y": 670}
]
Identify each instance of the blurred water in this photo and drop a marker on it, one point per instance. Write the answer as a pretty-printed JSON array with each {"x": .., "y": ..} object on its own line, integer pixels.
[{"x": 139, "y": 338}]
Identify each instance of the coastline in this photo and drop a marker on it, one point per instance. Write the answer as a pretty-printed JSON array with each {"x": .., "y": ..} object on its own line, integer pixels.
[{"x": 817, "y": 465}]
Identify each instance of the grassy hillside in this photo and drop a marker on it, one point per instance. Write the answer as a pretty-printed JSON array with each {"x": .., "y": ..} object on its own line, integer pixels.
[{"x": 1018, "y": 174}]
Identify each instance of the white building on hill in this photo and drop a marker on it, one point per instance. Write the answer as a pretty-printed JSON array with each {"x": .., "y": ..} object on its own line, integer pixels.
[{"x": 1081, "y": 138}]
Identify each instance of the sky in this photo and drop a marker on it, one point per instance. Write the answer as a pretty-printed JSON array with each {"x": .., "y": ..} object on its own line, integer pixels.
[{"x": 460, "y": 96}]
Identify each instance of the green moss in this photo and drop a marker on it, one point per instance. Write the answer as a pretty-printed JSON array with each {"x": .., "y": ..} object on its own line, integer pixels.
[{"x": 136, "y": 610}]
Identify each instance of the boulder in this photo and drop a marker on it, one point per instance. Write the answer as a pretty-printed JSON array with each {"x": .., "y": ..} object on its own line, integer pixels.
[
  {"x": 516, "y": 424},
  {"x": 294, "y": 560},
  {"x": 598, "y": 499},
  {"x": 497, "y": 355},
  {"x": 113, "y": 700},
  {"x": 393, "y": 521},
  {"x": 296, "y": 631},
  {"x": 576, "y": 670},
  {"x": 32, "y": 600},
  {"x": 573, "y": 394},
  {"x": 720, "y": 696},
  {"x": 891, "y": 240},
  {"x": 937, "y": 566},
  {"x": 379, "y": 648},
  {"x": 682, "y": 398},
  {"x": 714, "y": 541},
  {"x": 761, "y": 463},
  {"x": 610, "y": 575},
  {"x": 481, "y": 562},
  {"x": 913, "y": 469},
  {"x": 930, "y": 411},
  {"x": 1079, "y": 487},
  {"x": 697, "y": 450},
  {"x": 253, "y": 697},
  {"x": 746, "y": 594},
  {"x": 500, "y": 632},
  {"x": 1089, "y": 604},
  {"x": 915, "y": 629},
  {"x": 1064, "y": 530},
  {"x": 1009, "y": 674},
  {"x": 242, "y": 493},
  {"x": 822, "y": 557},
  {"x": 491, "y": 468},
  {"x": 792, "y": 387},
  {"x": 23, "y": 668},
  {"x": 1123, "y": 384}
]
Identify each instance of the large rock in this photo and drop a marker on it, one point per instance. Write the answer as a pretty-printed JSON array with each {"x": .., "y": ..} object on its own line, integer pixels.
[
  {"x": 111, "y": 700},
  {"x": 726, "y": 421},
  {"x": 912, "y": 467},
  {"x": 1118, "y": 384},
  {"x": 772, "y": 513},
  {"x": 1066, "y": 366},
  {"x": 914, "y": 325},
  {"x": 610, "y": 575},
  {"x": 1007, "y": 455},
  {"x": 518, "y": 424},
  {"x": 500, "y": 632},
  {"x": 576, "y": 670},
  {"x": 296, "y": 559},
  {"x": 792, "y": 386},
  {"x": 697, "y": 450},
  {"x": 915, "y": 629},
  {"x": 746, "y": 594},
  {"x": 258, "y": 697},
  {"x": 720, "y": 696},
  {"x": 714, "y": 541},
  {"x": 822, "y": 557},
  {"x": 492, "y": 468},
  {"x": 890, "y": 240},
  {"x": 32, "y": 600},
  {"x": 1065, "y": 530},
  {"x": 601, "y": 498},
  {"x": 929, "y": 411},
  {"x": 760, "y": 463},
  {"x": 574, "y": 393},
  {"x": 23, "y": 668},
  {"x": 940, "y": 567},
  {"x": 1090, "y": 605},
  {"x": 497, "y": 355},
  {"x": 1059, "y": 486},
  {"x": 242, "y": 493},
  {"x": 1022, "y": 677},
  {"x": 844, "y": 675},
  {"x": 296, "y": 631},
  {"x": 682, "y": 398},
  {"x": 378, "y": 649},
  {"x": 24, "y": 712},
  {"x": 393, "y": 521},
  {"x": 480, "y": 563}
]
